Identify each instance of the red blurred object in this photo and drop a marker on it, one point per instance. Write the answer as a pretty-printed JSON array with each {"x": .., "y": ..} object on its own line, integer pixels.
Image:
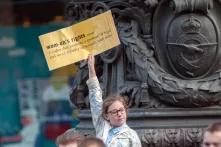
[
  {"x": 26, "y": 120},
  {"x": 10, "y": 139},
  {"x": 51, "y": 131}
]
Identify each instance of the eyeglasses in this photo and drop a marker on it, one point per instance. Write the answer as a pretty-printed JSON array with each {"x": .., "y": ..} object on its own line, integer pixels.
[{"x": 115, "y": 112}]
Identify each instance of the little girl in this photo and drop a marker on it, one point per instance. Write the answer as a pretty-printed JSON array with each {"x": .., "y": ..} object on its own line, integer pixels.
[{"x": 109, "y": 117}]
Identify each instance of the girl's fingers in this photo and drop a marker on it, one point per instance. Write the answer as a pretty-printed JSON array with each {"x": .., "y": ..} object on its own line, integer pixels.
[
  {"x": 90, "y": 61},
  {"x": 90, "y": 58}
]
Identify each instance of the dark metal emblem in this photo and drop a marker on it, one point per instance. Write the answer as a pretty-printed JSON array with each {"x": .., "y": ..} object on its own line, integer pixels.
[{"x": 191, "y": 49}]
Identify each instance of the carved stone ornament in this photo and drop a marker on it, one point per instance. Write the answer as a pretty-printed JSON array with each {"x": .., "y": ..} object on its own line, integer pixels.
[
  {"x": 163, "y": 127},
  {"x": 169, "y": 54},
  {"x": 182, "y": 137}
]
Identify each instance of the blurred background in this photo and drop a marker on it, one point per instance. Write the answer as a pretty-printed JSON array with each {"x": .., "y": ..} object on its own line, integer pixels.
[{"x": 34, "y": 102}]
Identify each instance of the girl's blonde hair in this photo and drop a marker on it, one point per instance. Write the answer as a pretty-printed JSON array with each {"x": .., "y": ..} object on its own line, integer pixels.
[{"x": 110, "y": 100}]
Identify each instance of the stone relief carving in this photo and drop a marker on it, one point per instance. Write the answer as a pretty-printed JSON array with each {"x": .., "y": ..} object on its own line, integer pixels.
[
  {"x": 181, "y": 137},
  {"x": 169, "y": 52},
  {"x": 172, "y": 137},
  {"x": 152, "y": 138},
  {"x": 193, "y": 137},
  {"x": 169, "y": 57}
]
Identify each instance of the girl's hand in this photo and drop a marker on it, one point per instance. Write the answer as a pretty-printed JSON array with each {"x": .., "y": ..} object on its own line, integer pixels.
[{"x": 91, "y": 68}]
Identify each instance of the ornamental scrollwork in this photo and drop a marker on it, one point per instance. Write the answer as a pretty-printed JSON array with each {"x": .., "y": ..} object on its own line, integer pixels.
[{"x": 169, "y": 53}]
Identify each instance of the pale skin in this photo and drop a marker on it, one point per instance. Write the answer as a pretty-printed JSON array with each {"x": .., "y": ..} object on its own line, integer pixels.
[
  {"x": 212, "y": 139},
  {"x": 93, "y": 145},
  {"x": 119, "y": 118},
  {"x": 72, "y": 144},
  {"x": 91, "y": 67}
]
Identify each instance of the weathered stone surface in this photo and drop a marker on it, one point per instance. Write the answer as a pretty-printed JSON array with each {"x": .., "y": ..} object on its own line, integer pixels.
[{"x": 168, "y": 66}]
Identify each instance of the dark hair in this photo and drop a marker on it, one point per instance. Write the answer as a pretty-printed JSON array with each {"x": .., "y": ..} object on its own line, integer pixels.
[
  {"x": 92, "y": 141},
  {"x": 69, "y": 136},
  {"x": 214, "y": 127},
  {"x": 110, "y": 100}
]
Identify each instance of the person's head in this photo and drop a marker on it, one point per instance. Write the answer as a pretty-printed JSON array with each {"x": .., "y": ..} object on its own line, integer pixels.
[
  {"x": 212, "y": 135},
  {"x": 70, "y": 138},
  {"x": 92, "y": 142},
  {"x": 115, "y": 110}
]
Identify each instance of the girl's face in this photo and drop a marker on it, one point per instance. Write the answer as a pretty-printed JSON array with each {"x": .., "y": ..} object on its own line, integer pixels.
[{"x": 116, "y": 114}]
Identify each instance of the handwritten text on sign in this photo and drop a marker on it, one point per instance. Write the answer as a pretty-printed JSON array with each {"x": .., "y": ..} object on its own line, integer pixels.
[{"x": 74, "y": 43}]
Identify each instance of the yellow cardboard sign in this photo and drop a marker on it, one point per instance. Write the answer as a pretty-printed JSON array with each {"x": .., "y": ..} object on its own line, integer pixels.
[{"x": 72, "y": 44}]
